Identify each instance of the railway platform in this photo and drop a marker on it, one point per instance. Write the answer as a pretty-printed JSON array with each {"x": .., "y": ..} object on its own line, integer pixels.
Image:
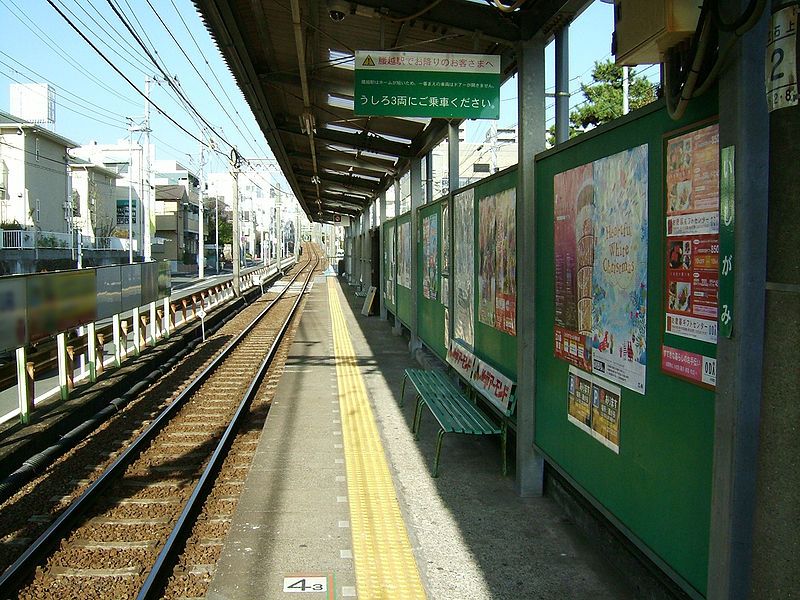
[{"x": 340, "y": 503}]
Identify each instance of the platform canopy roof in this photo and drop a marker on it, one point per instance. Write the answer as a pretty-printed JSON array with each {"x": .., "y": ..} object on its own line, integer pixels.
[{"x": 294, "y": 64}]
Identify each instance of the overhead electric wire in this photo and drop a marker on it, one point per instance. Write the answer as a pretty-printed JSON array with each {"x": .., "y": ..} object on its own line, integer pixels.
[
  {"x": 80, "y": 100},
  {"x": 136, "y": 63},
  {"x": 95, "y": 118},
  {"x": 121, "y": 74},
  {"x": 180, "y": 47},
  {"x": 43, "y": 36}
]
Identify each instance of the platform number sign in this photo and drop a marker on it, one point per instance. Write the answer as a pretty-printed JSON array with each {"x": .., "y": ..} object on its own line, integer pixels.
[
  {"x": 781, "y": 59},
  {"x": 305, "y": 584}
]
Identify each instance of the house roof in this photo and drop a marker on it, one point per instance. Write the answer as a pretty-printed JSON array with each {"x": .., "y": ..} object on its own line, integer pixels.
[
  {"x": 86, "y": 165},
  {"x": 171, "y": 193},
  {"x": 9, "y": 121}
]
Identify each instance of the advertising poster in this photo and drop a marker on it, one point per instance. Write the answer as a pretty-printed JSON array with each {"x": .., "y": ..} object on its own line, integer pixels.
[
  {"x": 605, "y": 413},
  {"x": 579, "y": 399},
  {"x": 486, "y": 260},
  {"x": 593, "y": 406},
  {"x": 445, "y": 238},
  {"x": 391, "y": 264},
  {"x": 619, "y": 274},
  {"x": 573, "y": 230},
  {"x": 13, "y": 303},
  {"x": 492, "y": 385},
  {"x": 404, "y": 255},
  {"x": 692, "y": 269},
  {"x": 464, "y": 266},
  {"x": 506, "y": 259},
  {"x": 430, "y": 254}
]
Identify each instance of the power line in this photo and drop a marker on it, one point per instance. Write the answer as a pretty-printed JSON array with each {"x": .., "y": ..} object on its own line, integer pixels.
[
  {"x": 42, "y": 36},
  {"x": 101, "y": 28},
  {"x": 80, "y": 101},
  {"x": 121, "y": 74}
]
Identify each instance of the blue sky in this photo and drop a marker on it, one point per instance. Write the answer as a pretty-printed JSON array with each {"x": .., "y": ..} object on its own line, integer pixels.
[{"x": 93, "y": 101}]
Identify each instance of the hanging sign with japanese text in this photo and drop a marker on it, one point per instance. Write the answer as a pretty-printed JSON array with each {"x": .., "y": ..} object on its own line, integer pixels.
[{"x": 427, "y": 84}]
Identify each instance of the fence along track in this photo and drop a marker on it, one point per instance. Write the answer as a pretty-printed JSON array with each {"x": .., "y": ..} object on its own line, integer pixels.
[{"x": 111, "y": 553}]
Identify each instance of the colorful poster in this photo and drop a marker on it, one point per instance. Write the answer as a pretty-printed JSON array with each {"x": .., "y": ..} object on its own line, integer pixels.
[
  {"x": 574, "y": 259},
  {"x": 605, "y": 413},
  {"x": 430, "y": 254},
  {"x": 593, "y": 405},
  {"x": 404, "y": 255},
  {"x": 579, "y": 399},
  {"x": 390, "y": 260},
  {"x": 445, "y": 238},
  {"x": 464, "y": 266},
  {"x": 619, "y": 273},
  {"x": 506, "y": 259},
  {"x": 692, "y": 269},
  {"x": 486, "y": 264}
]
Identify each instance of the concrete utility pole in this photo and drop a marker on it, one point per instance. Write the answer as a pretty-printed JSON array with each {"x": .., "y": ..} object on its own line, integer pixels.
[
  {"x": 201, "y": 247},
  {"x": 146, "y": 196},
  {"x": 776, "y": 538},
  {"x": 236, "y": 162},
  {"x": 278, "y": 230},
  {"x": 130, "y": 193}
]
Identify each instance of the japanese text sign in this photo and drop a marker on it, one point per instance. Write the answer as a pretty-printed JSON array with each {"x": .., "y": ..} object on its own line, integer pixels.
[{"x": 425, "y": 84}]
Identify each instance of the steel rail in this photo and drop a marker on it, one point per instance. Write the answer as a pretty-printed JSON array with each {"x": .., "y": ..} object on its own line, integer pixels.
[
  {"x": 152, "y": 587},
  {"x": 60, "y": 527}
]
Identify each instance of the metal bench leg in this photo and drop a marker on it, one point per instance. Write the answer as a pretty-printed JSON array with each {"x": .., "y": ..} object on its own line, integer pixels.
[
  {"x": 403, "y": 390},
  {"x": 503, "y": 444},
  {"x": 417, "y": 418},
  {"x": 438, "y": 451}
]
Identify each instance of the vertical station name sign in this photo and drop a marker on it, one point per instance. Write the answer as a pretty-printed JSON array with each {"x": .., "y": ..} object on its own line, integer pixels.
[{"x": 425, "y": 84}]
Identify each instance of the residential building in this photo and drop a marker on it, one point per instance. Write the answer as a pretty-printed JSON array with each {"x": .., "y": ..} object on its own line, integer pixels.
[
  {"x": 177, "y": 225},
  {"x": 94, "y": 191},
  {"x": 34, "y": 177}
]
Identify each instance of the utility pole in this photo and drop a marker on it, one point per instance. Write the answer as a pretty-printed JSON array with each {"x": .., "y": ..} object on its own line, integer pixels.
[
  {"x": 278, "y": 230},
  {"x": 236, "y": 162},
  {"x": 146, "y": 197},
  {"x": 130, "y": 193},
  {"x": 625, "y": 90},
  {"x": 775, "y": 537},
  {"x": 201, "y": 246}
]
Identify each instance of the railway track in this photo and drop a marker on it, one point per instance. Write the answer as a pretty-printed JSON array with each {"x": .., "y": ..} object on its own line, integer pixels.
[{"x": 133, "y": 528}]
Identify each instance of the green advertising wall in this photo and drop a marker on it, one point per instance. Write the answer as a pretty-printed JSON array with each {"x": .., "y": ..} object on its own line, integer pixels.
[
  {"x": 430, "y": 311},
  {"x": 403, "y": 298},
  {"x": 658, "y": 487},
  {"x": 492, "y": 345}
]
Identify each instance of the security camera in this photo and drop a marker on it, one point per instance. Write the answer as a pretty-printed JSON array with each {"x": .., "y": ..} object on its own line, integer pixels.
[{"x": 338, "y": 9}]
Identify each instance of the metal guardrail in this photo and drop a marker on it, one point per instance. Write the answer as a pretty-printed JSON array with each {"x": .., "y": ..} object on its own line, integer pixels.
[
  {"x": 147, "y": 324},
  {"x": 24, "y": 239}
]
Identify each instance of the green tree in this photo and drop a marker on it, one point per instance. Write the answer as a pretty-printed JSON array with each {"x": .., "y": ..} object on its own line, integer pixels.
[{"x": 603, "y": 98}]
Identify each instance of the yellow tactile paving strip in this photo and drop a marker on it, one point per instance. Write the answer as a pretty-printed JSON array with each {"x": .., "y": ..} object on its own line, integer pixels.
[{"x": 385, "y": 565}]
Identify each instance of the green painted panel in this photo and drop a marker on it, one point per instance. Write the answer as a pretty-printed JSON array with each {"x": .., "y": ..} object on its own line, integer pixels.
[
  {"x": 430, "y": 311},
  {"x": 659, "y": 485},
  {"x": 492, "y": 345}
]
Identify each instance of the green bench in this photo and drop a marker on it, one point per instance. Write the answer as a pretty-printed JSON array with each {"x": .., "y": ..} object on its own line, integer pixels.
[{"x": 455, "y": 411}]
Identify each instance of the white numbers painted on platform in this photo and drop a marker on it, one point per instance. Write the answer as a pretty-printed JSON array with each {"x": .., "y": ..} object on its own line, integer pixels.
[
  {"x": 305, "y": 584},
  {"x": 781, "y": 60}
]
